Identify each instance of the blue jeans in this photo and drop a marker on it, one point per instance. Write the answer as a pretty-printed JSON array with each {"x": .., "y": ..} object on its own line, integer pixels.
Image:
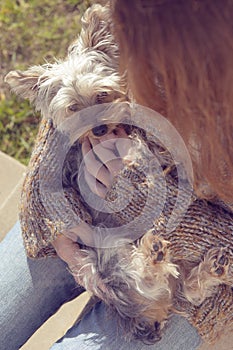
[{"x": 32, "y": 290}]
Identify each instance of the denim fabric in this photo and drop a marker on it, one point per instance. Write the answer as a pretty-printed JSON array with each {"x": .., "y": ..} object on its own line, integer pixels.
[
  {"x": 32, "y": 290},
  {"x": 98, "y": 331}
]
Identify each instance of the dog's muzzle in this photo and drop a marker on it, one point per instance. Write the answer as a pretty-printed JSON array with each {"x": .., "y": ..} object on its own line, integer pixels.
[{"x": 100, "y": 130}]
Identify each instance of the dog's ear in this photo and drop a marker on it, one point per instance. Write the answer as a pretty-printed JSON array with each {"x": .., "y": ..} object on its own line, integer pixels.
[
  {"x": 96, "y": 32},
  {"x": 26, "y": 83}
]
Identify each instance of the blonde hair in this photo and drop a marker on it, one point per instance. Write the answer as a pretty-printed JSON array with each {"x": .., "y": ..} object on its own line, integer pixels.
[{"x": 178, "y": 56}]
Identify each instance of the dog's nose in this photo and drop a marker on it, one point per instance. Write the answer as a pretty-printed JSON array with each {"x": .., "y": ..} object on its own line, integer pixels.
[{"x": 100, "y": 130}]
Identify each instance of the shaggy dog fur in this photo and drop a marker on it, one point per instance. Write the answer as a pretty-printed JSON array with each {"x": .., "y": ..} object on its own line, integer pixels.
[{"x": 137, "y": 279}]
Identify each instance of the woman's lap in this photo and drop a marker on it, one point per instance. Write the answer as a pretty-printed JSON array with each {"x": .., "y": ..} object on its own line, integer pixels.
[
  {"x": 30, "y": 291},
  {"x": 98, "y": 331},
  {"x": 33, "y": 290}
]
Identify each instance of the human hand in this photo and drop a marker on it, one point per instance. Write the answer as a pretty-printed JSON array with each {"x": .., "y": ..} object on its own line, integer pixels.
[
  {"x": 70, "y": 252},
  {"x": 103, "y": 159},
  {"x": 67, "y": 249}
]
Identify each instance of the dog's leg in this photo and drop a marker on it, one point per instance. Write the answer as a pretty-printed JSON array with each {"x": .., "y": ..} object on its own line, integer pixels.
[
  {"x": 159, "y": 250},
  {"x": 158, "y": 278},
  {"x": 215, "y": 269},
  {"x": 157, "y": 253}
]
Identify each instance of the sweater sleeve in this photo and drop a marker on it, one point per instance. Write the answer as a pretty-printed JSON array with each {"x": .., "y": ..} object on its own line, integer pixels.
[
  {"x": 202, "y": 226},
  {"x": 146, "y": 186},
  {"x": 44, "y": 215}
]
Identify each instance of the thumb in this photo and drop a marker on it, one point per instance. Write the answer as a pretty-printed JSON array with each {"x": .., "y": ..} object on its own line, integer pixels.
[{"x": 68, "y": 250}]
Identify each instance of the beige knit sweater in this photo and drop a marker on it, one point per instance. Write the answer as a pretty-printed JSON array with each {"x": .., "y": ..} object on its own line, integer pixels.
[{"x": 205, "y": 225}]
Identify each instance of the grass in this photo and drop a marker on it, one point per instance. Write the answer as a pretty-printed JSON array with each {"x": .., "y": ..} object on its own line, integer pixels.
[{"x": 32, "y": 32}]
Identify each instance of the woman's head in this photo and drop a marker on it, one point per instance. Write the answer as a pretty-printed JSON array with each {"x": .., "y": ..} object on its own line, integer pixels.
[{"x": 178, "y": 55}]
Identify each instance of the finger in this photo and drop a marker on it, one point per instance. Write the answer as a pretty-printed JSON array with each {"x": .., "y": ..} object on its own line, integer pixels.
[
  {"x": 119, "y": 141},
  {"x": 112, "y": 162},
  {"x": 103, "y": 153},
  {"x": 123, "y": 146},
  {"x": 66, "y": 249},
  {"x": 95, "y": 167},
  {"x": 82, "y": 232},
  {"x": 114, "y": 166},
  {"x": 70, "y": 252},
  {"x": 95, "y": 186},
  {"x": 107, "y": 141},
  {"x": 86, "y": 146}
]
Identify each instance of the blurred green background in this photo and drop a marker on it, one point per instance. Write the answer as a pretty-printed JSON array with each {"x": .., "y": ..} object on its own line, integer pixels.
[{"x": 32, "y": 32}]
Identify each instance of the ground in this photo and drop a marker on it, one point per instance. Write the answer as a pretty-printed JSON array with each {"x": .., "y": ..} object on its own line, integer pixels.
[{"x": 32, "y": 32}]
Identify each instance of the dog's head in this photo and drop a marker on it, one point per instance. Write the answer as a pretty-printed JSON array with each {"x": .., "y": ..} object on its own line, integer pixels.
[
  {"x": 88, "y": 76},
  {"x": 137, "y": 293}
]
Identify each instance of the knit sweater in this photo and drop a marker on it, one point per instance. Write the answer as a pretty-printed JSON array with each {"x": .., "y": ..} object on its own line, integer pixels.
[{"x": 204, "y": 225}]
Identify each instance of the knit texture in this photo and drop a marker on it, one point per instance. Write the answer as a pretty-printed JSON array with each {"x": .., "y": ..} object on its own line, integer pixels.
[
  {"x": 39, "y": 229},
  {"x": 203, "y": 226}
]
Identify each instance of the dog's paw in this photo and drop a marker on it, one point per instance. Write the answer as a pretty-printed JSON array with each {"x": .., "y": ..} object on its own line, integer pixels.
[
  {"x": 159, "y": 250},
  {"x": 157, "y": 255},
  {"x": 220, "y": 263},
  {"x": 155, "y": 247},
  {"x": 215, "y": 269}
]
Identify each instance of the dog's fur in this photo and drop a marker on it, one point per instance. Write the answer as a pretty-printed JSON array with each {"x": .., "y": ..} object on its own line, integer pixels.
[
  {"x": 137, "y": 280},
  {"x": 89, "y": 74}
]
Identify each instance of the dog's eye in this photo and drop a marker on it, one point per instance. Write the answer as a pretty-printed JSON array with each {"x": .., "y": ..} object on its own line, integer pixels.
[
  {"x": 101, "y": 96},
  {"x": 73, "y": 108}
]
